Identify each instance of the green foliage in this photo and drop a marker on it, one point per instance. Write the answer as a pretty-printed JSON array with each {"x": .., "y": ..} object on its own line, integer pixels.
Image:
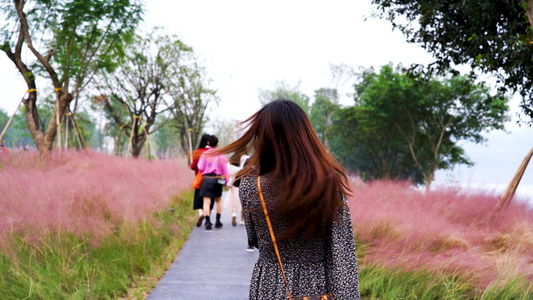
[
  {"x": 87, "y": 126},
  {"x": 160, "y": 80},
  {"x": 17, "y": 135},
  {"x": 398, "y": 115},
  {"x": 192, "y": 98},
  {"x": 68, "y": 42},
  {"x": 322, "y": 112},
  {"x": 363, "y": 145},
  {"x": 75, "y": 267},
  {"x": 166, "y": 139},
  {"x": 490, "y": 36}
]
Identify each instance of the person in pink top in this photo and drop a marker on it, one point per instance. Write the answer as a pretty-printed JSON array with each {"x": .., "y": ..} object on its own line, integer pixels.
[{"x": 214, "y": 168}]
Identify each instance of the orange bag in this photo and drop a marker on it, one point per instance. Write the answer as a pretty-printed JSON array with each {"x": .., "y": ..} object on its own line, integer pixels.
[{"x": 197, "y": 182}]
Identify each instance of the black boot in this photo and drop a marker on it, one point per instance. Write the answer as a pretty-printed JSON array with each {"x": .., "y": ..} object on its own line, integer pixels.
[
  {"x": 208, "y": 224},
  {"x": 217, "y": 223}
]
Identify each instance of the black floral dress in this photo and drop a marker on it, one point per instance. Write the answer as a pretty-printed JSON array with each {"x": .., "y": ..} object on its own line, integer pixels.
[{"x": 311, "y": 266}]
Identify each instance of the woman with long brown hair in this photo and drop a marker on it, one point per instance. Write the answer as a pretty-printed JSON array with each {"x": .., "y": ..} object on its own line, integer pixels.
[{"x": 303, "y": 190}]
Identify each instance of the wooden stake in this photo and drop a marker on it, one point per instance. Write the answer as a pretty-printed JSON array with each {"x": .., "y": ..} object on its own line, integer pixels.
[
  {"x": 190, "y": 144},
  {"x": 150, "y": 146},
  {"x": 9, "y": 122},
  {"x": 508, "y": 195},
  {"x": 131, "y": 137},
  {"x": 78, "y": 130},
  {"x": 58, "y": 123},
  {"x": 79, "y": 141},
  {"x": 66, "y": 130},
  {"x": 117, "y": 140}
]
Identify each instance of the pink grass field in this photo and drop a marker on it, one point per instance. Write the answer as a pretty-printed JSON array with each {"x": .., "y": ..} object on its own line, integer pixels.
[
  {"x": 83, "y": 192},
  {"x": 443, "y": 230},
  {"x": 93, "y": 194}
]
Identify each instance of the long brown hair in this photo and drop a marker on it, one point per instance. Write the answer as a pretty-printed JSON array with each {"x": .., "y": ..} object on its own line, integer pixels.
[{"x": 284, "y": 144}]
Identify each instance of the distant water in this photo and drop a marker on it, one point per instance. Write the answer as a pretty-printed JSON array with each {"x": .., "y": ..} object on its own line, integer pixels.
[
  {"x": 524, "y": 192},
  {"x": 495, "y": 164}
]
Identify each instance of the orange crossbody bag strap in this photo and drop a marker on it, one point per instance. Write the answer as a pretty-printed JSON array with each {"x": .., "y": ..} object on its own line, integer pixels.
[{"x": 272, "y": 234}]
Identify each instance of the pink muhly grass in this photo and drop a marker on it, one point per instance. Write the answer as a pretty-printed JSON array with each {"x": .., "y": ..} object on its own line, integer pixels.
[
  {"x": 84, "y": 192},
  {"x": 442, "y": 230}
]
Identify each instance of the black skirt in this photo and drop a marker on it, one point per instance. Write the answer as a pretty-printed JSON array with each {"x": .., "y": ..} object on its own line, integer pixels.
[
  {"x": 198, "y": 202},
  {"x": 211, "y": 187}
]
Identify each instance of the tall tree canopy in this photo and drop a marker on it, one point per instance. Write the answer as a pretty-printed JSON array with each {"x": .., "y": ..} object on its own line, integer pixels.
[
  {"x": 322, "y": 112},
  {"x": 429, "y": 115},
  {"x": 191, "y": 99},
  {"x": 67, "y": 41},
  {"x": 363, "y": 145},
  {"x": 141, "y": 87},
  {"x": 491, "y": 36}
]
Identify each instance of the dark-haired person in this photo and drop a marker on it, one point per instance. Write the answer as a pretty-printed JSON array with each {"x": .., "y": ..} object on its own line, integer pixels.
[
  {"x": 198, "y": 202},
  {"x": 215, "y": 170},
  {"x": 304, "y": 189},
  {"x": 3, "y": 149}
]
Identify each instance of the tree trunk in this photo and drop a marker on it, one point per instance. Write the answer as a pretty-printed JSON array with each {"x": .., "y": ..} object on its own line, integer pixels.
[
  {"x": 137, "y": 144},
  {"x": 44, "y": 141},
  {"x": 529, "y": 10}
]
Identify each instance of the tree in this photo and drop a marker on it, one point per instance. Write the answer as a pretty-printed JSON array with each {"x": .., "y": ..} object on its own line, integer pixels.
[
  {"x": 432, "y": 115},
  {"x": 490, "y": 36},
  {"x": 225, "y": 129},
  {"x": 133, "y": 95},
  {"x": 167, "y": 141},
  {"x": 285, "y": 91},
  {"x": 191, "y": 98},
  {"x": 327, "y": 101},
  {"x": 70, "y": 41},
  {"x": 322, "y": 112},
  {"x": 364, "y": 145}
]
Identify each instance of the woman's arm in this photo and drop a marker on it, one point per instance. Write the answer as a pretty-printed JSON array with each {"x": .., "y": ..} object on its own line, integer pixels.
[
  {"x": 342, "y": 274},
  {"x": 245, "y": 193},
  {"x": 195, "y": 157}
]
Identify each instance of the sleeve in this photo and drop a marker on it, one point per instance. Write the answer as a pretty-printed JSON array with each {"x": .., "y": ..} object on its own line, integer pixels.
[
  {"x": 201, "y": 164},
  {"x": 342, "y": 274},
  {"x": 194, "y": 163},
  {"x": 244, "y": 195}
]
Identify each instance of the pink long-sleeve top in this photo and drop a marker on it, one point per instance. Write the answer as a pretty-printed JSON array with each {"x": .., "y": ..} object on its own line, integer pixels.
[{"x": 213, "y": 164}]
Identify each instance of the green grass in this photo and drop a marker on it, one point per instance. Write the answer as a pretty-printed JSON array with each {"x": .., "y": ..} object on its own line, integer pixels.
[
  {"x": 127, "y": 264},
  {"x": 382, "y": 283}
]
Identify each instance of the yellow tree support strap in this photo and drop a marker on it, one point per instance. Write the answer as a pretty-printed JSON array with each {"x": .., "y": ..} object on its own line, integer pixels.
[
  {"x": 122, "y": 126},
  {"x": 57, "y": 89},
  {"x": 138, "y": 117},
  {"x": 31, "y": 90}
]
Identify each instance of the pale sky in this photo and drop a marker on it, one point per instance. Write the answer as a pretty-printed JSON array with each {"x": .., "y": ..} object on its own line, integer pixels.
[{"x": 248, "y": 45}]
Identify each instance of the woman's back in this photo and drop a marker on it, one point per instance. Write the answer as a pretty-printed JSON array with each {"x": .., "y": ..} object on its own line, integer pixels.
[
  {"x": 313, "y": 265},
  {"x": 304, "y": 188}
]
